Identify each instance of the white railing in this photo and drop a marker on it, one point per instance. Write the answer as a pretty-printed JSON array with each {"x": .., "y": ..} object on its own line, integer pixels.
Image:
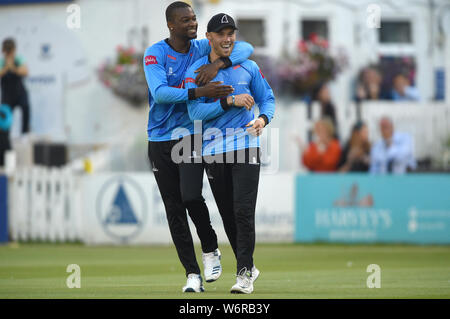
[
  {"x": 45, "y": 204},
  {"x": 429, "y": 123}
]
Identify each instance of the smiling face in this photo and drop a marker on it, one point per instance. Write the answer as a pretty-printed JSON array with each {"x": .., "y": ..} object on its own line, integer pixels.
[
  {"x": 183, "y": 23},
  {"x": 400, "y": 83},
  {"x": 222, "y": 42}
]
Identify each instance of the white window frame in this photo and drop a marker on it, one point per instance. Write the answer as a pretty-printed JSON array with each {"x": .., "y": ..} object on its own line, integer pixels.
[
  {"x": 257, "y": 15},
  {"x": 398, "y": 49}
]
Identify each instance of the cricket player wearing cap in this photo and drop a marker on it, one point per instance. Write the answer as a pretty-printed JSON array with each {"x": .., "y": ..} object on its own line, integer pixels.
[
  {"x": 180, "y": 184},
  {"x": 231, "y": 143}
]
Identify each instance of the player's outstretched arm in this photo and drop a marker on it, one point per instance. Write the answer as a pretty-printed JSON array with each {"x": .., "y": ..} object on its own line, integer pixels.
[
  {"x": 241, "y": 52},
  {"x": 201, "y": 110},
  {"x": 198, "y": 108},
  {"x": 155, "y": 74}
]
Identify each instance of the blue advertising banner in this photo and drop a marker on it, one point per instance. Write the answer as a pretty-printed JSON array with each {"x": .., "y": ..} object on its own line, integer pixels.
[
  {"x": 413, "y": 208},
  {"x": 3, "y": 209}
]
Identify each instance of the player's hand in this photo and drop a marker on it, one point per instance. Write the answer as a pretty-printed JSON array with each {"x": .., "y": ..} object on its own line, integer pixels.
[
  {"x": 242, "y": 100},
  {"x": 9, "y": 62},
  {"x": 214, "y": 90},
  {"x": 206, "y": 73},
  {"x": 256, "y": 126}
]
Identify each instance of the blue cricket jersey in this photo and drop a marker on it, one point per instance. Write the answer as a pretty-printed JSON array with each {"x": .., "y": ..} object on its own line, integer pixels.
[
  {"x": 224, "y": 130},
  {"x": 165, "y": 71}
]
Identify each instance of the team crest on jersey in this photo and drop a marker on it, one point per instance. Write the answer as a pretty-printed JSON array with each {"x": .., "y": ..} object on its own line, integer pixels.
[{"x": 150, "y": 59}]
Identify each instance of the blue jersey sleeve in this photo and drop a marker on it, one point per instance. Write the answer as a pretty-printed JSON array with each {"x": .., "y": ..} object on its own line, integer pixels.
[
  {"x": 199, "y": 109},
  {"x": 241, "y": 52},
  {"x": 262, "y": 92},
  {"x": 204, "y": 48},
  {"x": 155, "y": 74}
]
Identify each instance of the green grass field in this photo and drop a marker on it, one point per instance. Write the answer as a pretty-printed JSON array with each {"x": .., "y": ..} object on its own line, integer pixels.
[{"x": 287, "y": 271}]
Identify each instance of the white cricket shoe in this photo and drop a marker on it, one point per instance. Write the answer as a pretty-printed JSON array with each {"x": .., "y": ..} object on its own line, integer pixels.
[
  {"x": 255, "y": 273},
  {"x": 211, "y": 265},
  {"x": 194, "y": 283},
  {"x": 244, "y": 283}
]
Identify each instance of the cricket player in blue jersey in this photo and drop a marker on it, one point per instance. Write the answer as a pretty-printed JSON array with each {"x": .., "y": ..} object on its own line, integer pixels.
[
  {"x": 231, "y": 143},
  {"x": 180, "y": 184}
]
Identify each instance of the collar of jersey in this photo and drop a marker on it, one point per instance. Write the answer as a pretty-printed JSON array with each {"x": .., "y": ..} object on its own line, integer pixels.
[{"x": 171, "y": 48}]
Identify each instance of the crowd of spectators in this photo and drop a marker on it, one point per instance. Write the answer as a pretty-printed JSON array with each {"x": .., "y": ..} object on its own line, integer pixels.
[
  {"x": 370, "y": 86},
  {"x": 393, "y": 153}
]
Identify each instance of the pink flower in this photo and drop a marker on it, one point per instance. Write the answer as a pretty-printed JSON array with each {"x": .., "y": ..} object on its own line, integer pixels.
[
  {"x": 302, "y": 47},
  {"x": 102, "y": 66},
  {"x": 118, "y": 69},
  {"x": 131, "y": 50},
  {"x": 313, "y": 37}
]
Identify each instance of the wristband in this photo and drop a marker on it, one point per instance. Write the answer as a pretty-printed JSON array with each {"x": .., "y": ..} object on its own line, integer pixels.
[
  {"x": 233, "y": 101},
  {"x": 224, "y": 104},
  {"x": 226, "y": 61},
  {"x": 191, "y": 94},
  {"x": 264, "y": 118}
]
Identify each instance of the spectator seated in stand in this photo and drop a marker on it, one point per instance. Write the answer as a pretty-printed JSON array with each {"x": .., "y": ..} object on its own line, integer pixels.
[
  {"x": 402, "y": 89},
  {"x": 355, "y": 155},
  {"x": 369, "y": 84},
  {"x": 327, "y": 109},
  {"x": 322, "y": 155},
  {"x": 394, "y": 153}
]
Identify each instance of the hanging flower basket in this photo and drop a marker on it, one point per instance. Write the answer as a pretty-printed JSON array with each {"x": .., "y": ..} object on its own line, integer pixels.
[
  {"x": 125, "y": 76},
  {"x": 312, "y": 65}
]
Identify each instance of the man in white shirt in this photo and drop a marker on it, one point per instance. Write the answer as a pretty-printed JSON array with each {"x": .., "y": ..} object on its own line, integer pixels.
[
  {"x": 394, "y": 153},
  {"x": 403, "y": 91}
]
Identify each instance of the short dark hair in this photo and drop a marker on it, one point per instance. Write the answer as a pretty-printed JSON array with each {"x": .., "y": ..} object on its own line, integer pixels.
[
  {"x": 8, "y": 45},
  {"x": 174, "y": 6}
]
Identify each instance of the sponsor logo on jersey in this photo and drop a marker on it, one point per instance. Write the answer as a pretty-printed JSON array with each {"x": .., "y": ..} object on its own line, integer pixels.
[{"x": 150, "y": 59}]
